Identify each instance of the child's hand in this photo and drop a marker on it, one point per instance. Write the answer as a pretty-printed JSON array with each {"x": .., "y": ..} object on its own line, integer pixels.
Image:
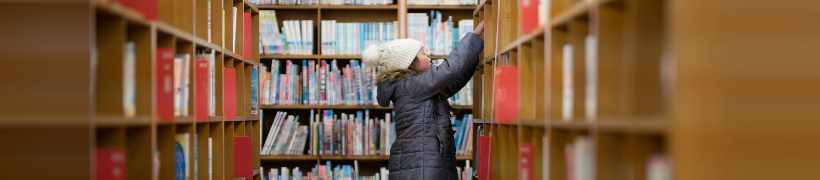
[{"x": 479, "y": 29}]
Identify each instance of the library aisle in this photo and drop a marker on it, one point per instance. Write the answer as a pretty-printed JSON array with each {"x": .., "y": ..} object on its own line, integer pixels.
[{"x": 278, "y": 90}]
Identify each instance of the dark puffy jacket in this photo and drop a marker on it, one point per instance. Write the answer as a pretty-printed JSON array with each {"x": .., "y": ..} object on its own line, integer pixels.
[{"x": 424, "y": 146}]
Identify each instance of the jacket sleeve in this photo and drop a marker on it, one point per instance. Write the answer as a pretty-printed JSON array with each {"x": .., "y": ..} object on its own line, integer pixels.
[{"x": 451, "y": 75}]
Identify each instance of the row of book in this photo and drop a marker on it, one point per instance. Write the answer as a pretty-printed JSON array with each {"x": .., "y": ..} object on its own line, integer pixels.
[
  {"x": 463, "y": 97},
  {"x": 342, "y": 172},
  {"x": 318, "y": 82},
  {"x": 353, "y": 38},
  {"x": 440, "y": 36},
  {"x": 329, "y": 2},
  {"x": 330, "y": 133},
  {"x": 294, "y": 37},
  {"x": 442, "y": 2},
  {"x": 463, "y": 138},
  {"x": 110, "y": 162}
]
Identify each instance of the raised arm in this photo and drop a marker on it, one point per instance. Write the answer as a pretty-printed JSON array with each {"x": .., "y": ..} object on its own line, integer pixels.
[{"x": 453, "y": 73}]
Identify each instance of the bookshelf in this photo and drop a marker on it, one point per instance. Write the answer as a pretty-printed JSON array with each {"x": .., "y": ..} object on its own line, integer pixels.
[
  {"x": 585, "y": 108},
  {"x": 148, "y": 138},
  {"x": 345, "y": 14}
]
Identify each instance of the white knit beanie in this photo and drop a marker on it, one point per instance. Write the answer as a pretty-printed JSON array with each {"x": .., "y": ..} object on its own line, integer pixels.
[{"x": 393, "y": 55}]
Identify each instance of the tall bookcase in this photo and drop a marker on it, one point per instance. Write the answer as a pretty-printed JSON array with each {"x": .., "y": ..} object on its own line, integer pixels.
[
  {"x": 593, "y": 99},
  {"x": 398, "y": 11}
]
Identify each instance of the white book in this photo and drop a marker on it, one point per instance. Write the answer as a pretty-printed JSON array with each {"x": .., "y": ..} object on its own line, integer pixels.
[
  {"x": 284, "y": 137},
  {"x": 567, "y": 96},
  {"x": 271, "y": 135},
  {"x": 209, "y": 20},
  {"x": 129, "y": 80},
  {"x": 543, "y": 12},
  {"x": 285, "y": 173},
  {"x": 591, "y": 77},
  {"x": 309, "y": 37},
  {"x": 212, "y": 81},
  {"x": 210, "y": 158},
  {"x": 234, "y": 13}
]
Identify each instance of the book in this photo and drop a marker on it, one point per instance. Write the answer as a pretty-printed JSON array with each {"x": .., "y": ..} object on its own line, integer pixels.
[
  {"x": 329, "y": 133},
  {"x": 234, "y": 21},
  {"x": 525, "y": 161},
  {"x": 202, "y": 89},
  {"x": 183, "y": 144},
  {"x": 658, "y": 168},
  {"x": 211, "y": 57},
  {"x": 327, "y": 2},
  {"x": 580, "y": 164},
  {"x": 110, "y": 163},
  {"x": 484, "y": 162},
  {"x": 270, "y": 36},
  {"x": 439, "y": 34},
  {"x": 506, "y": 93},
  {"x": 567, "y": 90},
  {"x": 247, "y": 34},
  {"x": 180, "y": 162},
  {"x": 164, "y": 82},
  {"x": 353, "y": 38},
  {"x": 229, "y": 94},
  {"x": 543, "y": 12},
  {"x": 210, "y": 158},
  {"x": 243, "y": 157},
  {"x": 182, "y": 68},
  {"x": 146, "y": 8},
  {"x": 528, "y": 15},
  {"x": 129, "y": 101},
  {"x": 319, "y": 82},
  {"x": 463, "y": 128},
  {"x": 591, "y": 104},
  {"x": 254, "y": 94}
]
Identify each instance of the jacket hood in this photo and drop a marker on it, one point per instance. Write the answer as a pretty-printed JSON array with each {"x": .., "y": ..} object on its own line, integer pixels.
[{"x": 386, "y": 91}]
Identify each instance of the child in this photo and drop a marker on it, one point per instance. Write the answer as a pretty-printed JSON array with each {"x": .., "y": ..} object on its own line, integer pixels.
[{"x": 424, "y": 146}]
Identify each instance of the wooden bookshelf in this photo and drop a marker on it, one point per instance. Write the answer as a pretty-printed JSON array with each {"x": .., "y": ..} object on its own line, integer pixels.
[
  {"x": 627, "y": 117},
  {"x": 275, "y": 158}
]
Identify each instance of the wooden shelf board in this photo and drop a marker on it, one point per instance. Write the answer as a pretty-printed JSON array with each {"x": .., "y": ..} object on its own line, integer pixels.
[
  {"x": 538, "y": 32},
  {"x": 658, "y": 126},
  {"x": 324, "y": 107},
  {"x": 338, "y": 157},
  {"x": 209, "y": 45},
  {"x": 120, "y": 121},
  {"x": 285, "y": 107},
  {"x": 237, "y": 56},
  {"x": 128, "y": 14},
  {"x": 330, "y": 7},
  {"x": 171, "y": 30},
  {"x": 252, "y": 6},
  {"x": 571, "y": 125},
  {"x": 480, "y": 7},
  {"x": 441, "y": 7},
  {"x": 178, "y": 121},
  {"x": 577, "y": 10}
]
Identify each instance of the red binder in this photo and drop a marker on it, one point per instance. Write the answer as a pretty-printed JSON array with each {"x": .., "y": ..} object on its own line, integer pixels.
[
  {"x": 148, "y": 8},
  {"x": 247, "y": 33},
  {"x": 506, "y": 94},
  {"x": 525, "y": 162},
  {"x": 229, "y": 94},
  {"x": 484, "y": 157},
  {"x": 243, "y": 164},
  {"x": 528, "y": 15},
  {"x": 110, "y": 164},
  {"x": 164, "y": 84},
  {"x": 201, "y": 89}
]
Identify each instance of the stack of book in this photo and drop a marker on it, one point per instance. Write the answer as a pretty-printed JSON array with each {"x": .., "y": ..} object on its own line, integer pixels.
[
  {"x": 330, "y": 133},
  {"x": 464, "y": 134},
  {"x": 318, "y": 83},
  {"x": 442, "y": 2},
  {"x": 440, "y": 36},
  {"x": 330, "y": 2},
  {"x": 352, "y": 38},
  {"x": 326, "y": 171},
  {"x": 285, "y": 136},
  {"x": 295, "y": 37}
]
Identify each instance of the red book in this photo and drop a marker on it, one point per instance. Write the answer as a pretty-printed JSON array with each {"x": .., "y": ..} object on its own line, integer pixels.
[
  {"x": 110, "y": 164},
  {"x": 148, "y": 8},
  {"x": 484, "y": 157},
  {"x": 229, "y": 94},
  {"x": 525, "y": 162},
  {"x": 506, "y": 94},
  {"x": 247, "y": 33},
  {"x": 164, "y": 87},
  {"x": 528, "y": 15},
  {"x": 201, "y": 89},
  {"x": 242, "y": 154}
]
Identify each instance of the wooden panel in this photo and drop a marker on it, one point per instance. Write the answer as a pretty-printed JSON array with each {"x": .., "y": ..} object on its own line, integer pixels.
[
  {"x": 230, "y": 131},
  {"x": 559, "y": 39},
  {"x": 26, "y": 158},
  {"x": 166, "y": 144},
  {"x": 110, "y": 50},
  {"x": 507, "y": 22},
  {"x": 203, "y": 132},
  {"x": 201, "y": 18},
  {"x": 526, "y": 84},
  {"x": 540, "y": 78},
  {"x": 166, "y": 11},
  {"x": 577, "y": 35},
  {"x": 142, "y": 37},
  {"x": 609, "y": 31},
  {"x": 747, "y": 92},
  {"x": 490, "y": 18},
  {"x": 644, "y": 37},
  {"x": 228, "y": 33},
  {"x": 218, "y": 134},
  {"x": 34, "y": 76},
  {"x": 217, "y": 23},
  {"x": 138, "y": 152},
  {"x": 219, "y": 78}
]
